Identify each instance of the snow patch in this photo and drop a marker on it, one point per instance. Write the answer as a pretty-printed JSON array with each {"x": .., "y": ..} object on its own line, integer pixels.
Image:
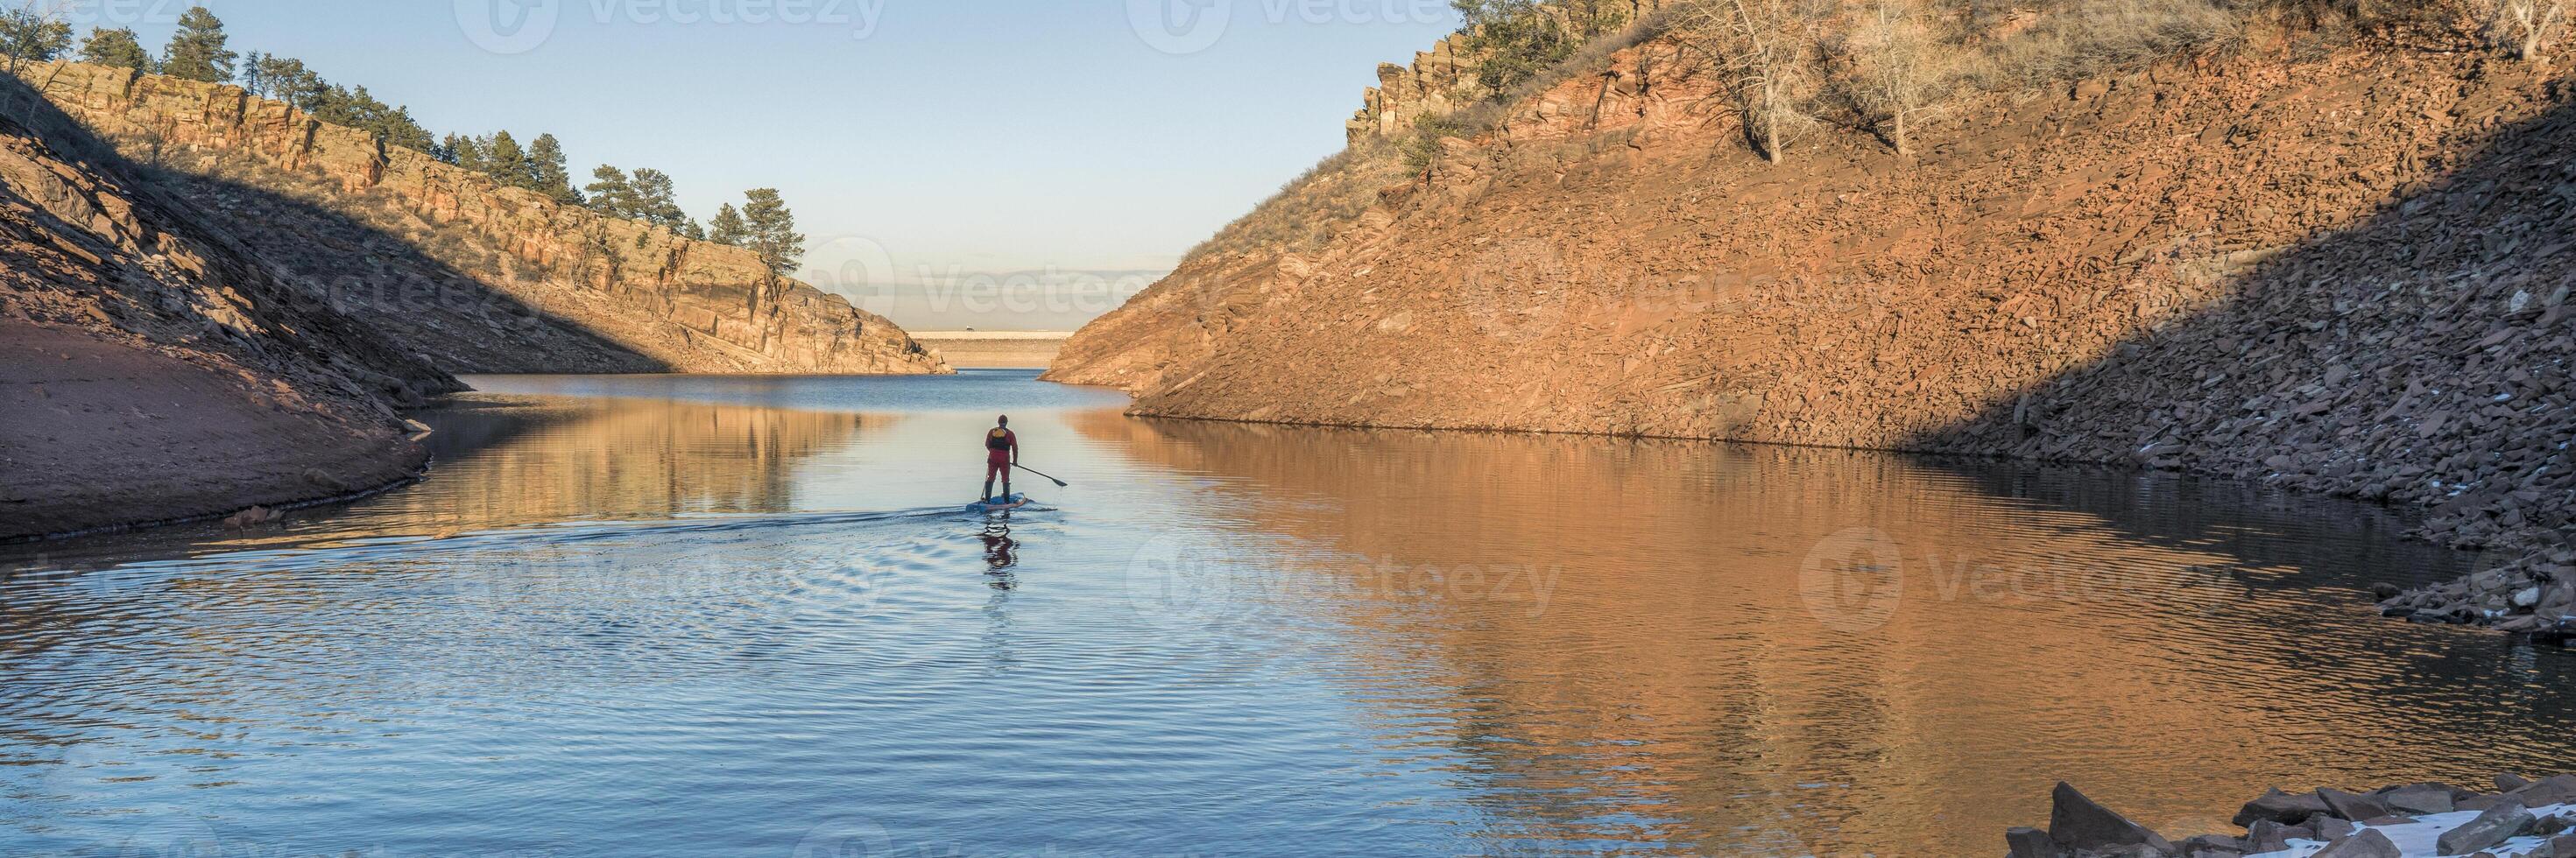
[{"x": 2419, "y": 839}]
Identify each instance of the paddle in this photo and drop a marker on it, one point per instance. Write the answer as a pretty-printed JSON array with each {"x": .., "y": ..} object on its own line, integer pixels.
[{"x": 1058, "y": 483}]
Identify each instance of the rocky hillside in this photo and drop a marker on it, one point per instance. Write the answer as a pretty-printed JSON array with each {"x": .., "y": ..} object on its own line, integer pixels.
[
  {"x": 152, "y": 367},
  {"x": 2340, "y": 270},
  {"x": 448, "y": 265}
]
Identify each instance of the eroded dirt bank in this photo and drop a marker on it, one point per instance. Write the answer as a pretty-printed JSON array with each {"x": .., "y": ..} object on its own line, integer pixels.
[
  {"x": 2346, "y": 274},
  {"x": 151, "y": 368}
]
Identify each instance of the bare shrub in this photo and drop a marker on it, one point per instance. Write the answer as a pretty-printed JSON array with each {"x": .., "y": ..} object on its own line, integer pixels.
[
  {"x": 2336, "y": 18},
  {"x": 1767, "y": 51},
  {"x": 1899, "y": 72},
  {"x": 1423, "y": 148},
  {"x": 2090, "y": 37},
  {"x": 2523, "y": 28}
]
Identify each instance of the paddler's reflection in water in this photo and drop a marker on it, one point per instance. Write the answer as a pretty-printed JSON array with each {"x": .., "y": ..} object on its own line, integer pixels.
[{"x": 1001, "y": 552}]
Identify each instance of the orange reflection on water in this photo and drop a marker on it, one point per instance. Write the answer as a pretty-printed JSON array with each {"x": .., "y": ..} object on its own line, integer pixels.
[{"x": 1733, "y": 648}]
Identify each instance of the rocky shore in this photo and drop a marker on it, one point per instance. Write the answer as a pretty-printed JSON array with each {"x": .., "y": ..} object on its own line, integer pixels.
[
  {"x": 2521, "y": 818},
  {"x": 2535, "y": 598}
]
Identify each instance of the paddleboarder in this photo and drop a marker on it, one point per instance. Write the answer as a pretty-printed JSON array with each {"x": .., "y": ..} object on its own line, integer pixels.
[{"x": 1001, "y": 452}]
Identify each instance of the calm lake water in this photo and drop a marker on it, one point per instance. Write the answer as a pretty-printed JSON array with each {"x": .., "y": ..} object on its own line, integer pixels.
[{"x": 737, "y": 616}]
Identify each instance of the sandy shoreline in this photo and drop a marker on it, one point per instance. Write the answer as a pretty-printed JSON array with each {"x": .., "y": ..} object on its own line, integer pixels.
[{"x": 97, "y": 434}]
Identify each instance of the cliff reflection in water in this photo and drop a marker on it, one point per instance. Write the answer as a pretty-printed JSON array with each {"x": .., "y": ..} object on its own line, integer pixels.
[
  {"x": 692, "y": 615},
  {"x": 506, "y": 461},
  {"x": 1780, "y": 651}
]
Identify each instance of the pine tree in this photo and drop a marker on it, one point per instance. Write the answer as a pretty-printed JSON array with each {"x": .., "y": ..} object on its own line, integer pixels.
[
  {"x": 359, "y": 109},
  {"x": 397, "y": 128},
  {"x": 689, "y": 228},
  {"x": 464, "y": 151},
  {"x": 547, "y": 173},
  {"x": 197, "y": 52},
  {"x": 116, "y": 48},
  {"x": 610, "y": 192},
  {"x": 771, "y": 231},
  {"x": 656, "y": 202},
  {"x": 1517, "y": 39},
  {"x": 254, "y": 73},
  {"x": 31, "y": 36},
  {"x": 289, "y": 81},
  {"x": 504, "y": 160},
  {"x": 728, "y": 228}
]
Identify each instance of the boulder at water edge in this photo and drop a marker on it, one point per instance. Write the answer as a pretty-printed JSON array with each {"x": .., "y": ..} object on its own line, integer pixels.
[
  {"x": 2076, "y": 823},
  {"x": 2367, "y": 844},
  {"x": 2505, "y": 821}
]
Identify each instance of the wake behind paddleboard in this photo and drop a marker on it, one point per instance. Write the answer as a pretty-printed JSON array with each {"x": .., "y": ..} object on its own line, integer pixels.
[{"x": 999, "y": 504}]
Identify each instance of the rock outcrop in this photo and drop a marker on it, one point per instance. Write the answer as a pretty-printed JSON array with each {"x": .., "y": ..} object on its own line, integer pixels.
[
  {"x": 1438, "y": 81},
  {"x": 450, "y": 265},
  {"x": 1441, "y": 81},
  {"x": 153, "y": 368},
  {"x": 2344, "y": 273},
  {"x": 2502, "y": 821}
]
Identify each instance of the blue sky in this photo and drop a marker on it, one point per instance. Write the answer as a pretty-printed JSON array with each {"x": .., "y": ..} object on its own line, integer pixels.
[{"x": 953, "y": 147}]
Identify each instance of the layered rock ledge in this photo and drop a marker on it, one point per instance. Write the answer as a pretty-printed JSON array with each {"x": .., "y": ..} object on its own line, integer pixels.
[{"x": 453, "y": 266}]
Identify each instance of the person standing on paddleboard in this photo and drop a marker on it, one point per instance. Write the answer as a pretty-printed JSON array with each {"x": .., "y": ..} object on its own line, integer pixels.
[{"x": 1001, "y": 451}]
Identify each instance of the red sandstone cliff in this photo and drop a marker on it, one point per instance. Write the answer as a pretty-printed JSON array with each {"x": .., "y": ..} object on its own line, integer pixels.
[
  {"x": 2345, "y": 273},
  {"x": 448, "y": 264}
]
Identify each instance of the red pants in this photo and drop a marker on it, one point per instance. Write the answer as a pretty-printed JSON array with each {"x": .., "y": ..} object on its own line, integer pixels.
[{"x": 998, "y": 465}]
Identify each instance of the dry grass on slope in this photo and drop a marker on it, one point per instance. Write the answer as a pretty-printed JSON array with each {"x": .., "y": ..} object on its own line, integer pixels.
[
  {"x": 1962, "y": 45},
  {"x": 1312, "y": 208}
]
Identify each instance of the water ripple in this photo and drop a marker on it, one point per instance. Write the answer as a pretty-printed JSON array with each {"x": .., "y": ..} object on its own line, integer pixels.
[{"x": 679, "y": 623}]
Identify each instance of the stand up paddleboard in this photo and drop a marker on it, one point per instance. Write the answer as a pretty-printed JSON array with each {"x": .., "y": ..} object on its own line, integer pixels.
[{"x": 999, "y": 504}]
